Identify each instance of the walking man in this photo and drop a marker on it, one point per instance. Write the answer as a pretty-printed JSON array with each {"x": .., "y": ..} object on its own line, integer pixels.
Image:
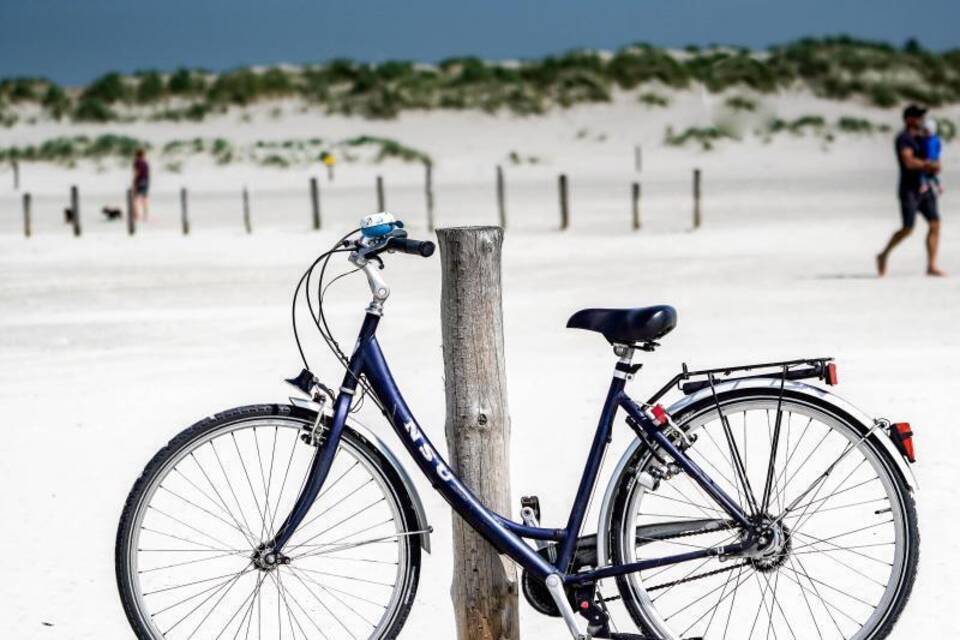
[
  {"x": 914, "y": 199},
  {"x": 141, "y": 186}
]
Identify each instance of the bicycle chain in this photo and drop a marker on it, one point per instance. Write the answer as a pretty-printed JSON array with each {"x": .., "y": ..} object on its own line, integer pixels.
[{"x": 692, "y": 578}]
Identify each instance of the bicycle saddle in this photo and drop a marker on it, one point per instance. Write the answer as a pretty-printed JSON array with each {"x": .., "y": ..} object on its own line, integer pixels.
[{"x": 627, "y": 326}]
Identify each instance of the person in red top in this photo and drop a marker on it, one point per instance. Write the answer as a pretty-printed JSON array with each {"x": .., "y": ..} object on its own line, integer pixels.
[{"x": 141, "y": 186}]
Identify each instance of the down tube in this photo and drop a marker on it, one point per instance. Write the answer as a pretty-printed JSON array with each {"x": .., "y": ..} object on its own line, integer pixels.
[{"x": 460, "y": 498}]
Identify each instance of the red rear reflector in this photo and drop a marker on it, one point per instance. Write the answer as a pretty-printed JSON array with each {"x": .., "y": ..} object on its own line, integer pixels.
[
  {"x": 659, "y": 415},
  {"x": 903, "y": 437},
  {"x": 830, "y": 375}
]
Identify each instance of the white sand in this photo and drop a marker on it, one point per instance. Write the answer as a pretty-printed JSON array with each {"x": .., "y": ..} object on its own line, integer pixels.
[{"x": 110, "y": 345}]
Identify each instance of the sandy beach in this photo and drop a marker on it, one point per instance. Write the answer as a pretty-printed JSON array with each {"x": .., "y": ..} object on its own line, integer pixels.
[{"x": 110, "y": 345}]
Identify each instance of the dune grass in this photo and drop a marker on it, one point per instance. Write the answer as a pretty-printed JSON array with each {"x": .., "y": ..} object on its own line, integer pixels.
[
  {"x": 69, "y": 150},
  {"x": 836, "y": 67}
]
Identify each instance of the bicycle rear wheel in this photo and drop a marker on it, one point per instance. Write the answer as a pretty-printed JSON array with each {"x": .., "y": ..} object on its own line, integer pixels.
[
  {"x": 189, "y": 557},
  {"x": 846, "y": 546}
]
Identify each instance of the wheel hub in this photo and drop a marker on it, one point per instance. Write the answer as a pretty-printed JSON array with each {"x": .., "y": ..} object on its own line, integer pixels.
[
  {"x": 267, "y": 559},
  {"x": 772, "y": 544}
]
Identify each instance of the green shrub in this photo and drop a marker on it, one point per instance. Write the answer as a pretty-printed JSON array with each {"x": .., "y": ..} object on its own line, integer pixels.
[
  {"x": 55, "y": 101},
  {"x": 390, "y": 149},
  {"x": 741, "y": 103},
  {"x": 93, "y": 110},
  {"x": 946, "y": 129},
  {"x": 108, "y": 88},
  {"x": 654, "y": 99},
  {"x": 150, "y": 87},
  {"x": 632, "y": 67},
  {"x": 850, "y": 124},
  {"x": 705, "y": 136},
  {"x": 275, "y": 160}
]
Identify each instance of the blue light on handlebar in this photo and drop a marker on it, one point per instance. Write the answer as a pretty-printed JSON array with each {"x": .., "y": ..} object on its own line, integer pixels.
[{"x": 377, "y": 230}]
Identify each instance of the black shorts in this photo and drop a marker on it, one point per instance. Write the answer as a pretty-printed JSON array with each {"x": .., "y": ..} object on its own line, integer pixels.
[
  {"x": 912, "y": 202},
  {"x": 142, "y": 188}
]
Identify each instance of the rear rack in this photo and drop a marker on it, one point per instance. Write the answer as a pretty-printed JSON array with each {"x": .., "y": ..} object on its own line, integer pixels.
[{"x": 804, "y": 369}]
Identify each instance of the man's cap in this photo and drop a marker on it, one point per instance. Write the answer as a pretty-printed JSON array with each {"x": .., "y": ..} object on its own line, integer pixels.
[{"x": 914, "y": 111}]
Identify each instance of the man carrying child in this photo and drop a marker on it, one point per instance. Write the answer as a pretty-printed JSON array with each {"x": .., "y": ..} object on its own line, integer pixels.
[{"x": 918, "y": 186}]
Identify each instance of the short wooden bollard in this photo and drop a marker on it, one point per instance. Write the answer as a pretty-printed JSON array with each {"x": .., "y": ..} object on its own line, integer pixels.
[
  {"x": 428, "y": 186},
  {"x": 501, "y": 198},
  {"x": 131, "y": 219},
  {"x": 564, "y": 203},
  {"x": 484, "y": 588},
  {"x": 381, "y": 198},
  {"x": 27, "y": 224},
  {"x": 315, "y": 202},
  {"x": 247, "y": 224},
  {"x": 75, "y": 209},
  {"x": 697, "y": 217},
  {"x": 635, "y": 200},
  {"x": 184, "y": 213}
]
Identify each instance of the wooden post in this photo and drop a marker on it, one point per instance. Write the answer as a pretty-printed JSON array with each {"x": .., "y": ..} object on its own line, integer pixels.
[
  {"x": 484, "y": 588},
  {"x": 637, "y": 158},
  {"x": 635, "y": 197},
  {"x": 381, "y": 200},
  {"x": 428, "y": 168},
  {"x": 501, "y": 198},
  {"x": 184, "y": 215},
  {"x": 27, "y": 226},
  {"x": 696, "y": 199},
  {"x": 564, "y": 203},
  {"x": 75, "y": 206},
  {"x": 131, "y": 220},
  {"x": 16, "y": 174},
  {"x": 246, "y": 211},
  {"x": 315, "y": 202}
]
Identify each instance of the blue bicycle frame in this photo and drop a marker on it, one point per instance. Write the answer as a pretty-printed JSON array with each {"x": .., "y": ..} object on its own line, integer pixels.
[{"x": 504, "y": 534}]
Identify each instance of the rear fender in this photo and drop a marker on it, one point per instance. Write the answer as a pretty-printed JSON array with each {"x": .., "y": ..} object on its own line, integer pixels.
[{"x": 835, "y": 401}]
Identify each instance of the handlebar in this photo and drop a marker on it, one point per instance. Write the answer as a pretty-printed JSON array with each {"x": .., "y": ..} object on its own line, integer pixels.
[{"x": 423, "y": 248}]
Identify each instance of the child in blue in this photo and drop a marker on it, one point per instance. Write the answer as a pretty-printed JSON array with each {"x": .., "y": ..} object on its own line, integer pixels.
[{"x": 932, "y": 147}]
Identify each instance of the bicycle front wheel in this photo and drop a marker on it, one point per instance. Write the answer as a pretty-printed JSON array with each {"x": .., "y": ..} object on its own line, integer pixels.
[
  {"x": 843, "y": 552},
  {"x": 190, "y": 560}
]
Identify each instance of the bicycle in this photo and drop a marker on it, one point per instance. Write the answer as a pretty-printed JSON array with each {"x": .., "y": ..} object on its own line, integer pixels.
[{"x": 756, "y": 501}]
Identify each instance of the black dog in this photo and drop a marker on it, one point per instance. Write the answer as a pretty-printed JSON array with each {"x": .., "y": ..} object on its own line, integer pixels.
[{"x": 112, "y": 214}]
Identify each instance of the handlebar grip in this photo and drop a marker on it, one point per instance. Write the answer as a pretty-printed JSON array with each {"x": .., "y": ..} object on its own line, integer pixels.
[{"x": 423, "y": 248}]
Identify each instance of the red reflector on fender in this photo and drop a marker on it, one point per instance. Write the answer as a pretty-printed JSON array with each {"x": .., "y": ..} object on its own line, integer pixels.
[
  {"x": 902, "y": 435},
  {"x": 830, "y": 375}
]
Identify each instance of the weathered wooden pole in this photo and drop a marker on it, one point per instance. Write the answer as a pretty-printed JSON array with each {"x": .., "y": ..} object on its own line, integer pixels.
[
  {"x": 381, "y": 199},
  {"x": 184, "y": 214},
  {"x": 247, "y": 224},
  {"x": 484, "y": 588},
  {"x": 697, "y": 218},
  {"x": 16, "y": 174},
  {"x": 131, "y": 220},
  {"x": 564, "y": 202},
  {"x": 428, "y": 168},
  {"x": 75, "y": 207},
  {"x": 315, "y": 202},
  {"x": 635, "y": 199},
  {"x": 27, "y": 226},
  {"x": 501, "y": 198}
]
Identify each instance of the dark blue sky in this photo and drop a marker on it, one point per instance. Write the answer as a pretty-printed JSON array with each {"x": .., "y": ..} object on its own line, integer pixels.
[{"x": 73, "y": 41}]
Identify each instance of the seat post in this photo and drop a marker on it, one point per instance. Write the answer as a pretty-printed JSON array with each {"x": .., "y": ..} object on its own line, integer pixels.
[{"x": 624, "y": 369}]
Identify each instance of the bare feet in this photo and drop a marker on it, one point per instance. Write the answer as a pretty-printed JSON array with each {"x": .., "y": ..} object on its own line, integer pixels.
[
  {"x": 933, "y": 271},
  {"x": 881, "y": 264}
]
